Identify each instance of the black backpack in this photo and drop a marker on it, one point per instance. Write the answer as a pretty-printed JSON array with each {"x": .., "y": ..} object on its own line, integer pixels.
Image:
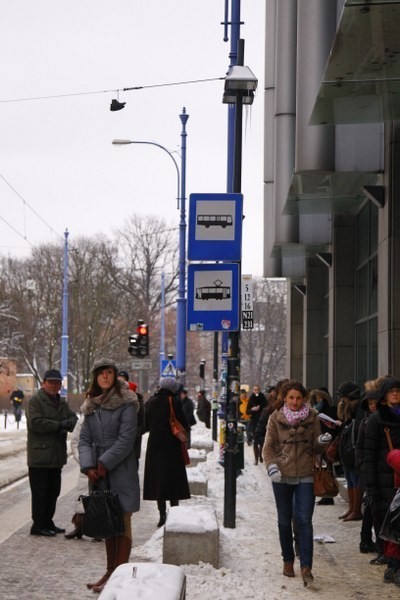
[{"x": 347, "y": 446}]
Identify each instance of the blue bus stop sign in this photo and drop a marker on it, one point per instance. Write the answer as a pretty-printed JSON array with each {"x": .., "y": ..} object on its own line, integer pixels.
[{"x": 215, "y": 227}]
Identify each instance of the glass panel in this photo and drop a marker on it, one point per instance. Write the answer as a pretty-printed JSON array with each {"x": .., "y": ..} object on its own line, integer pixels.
[
  {"x": 361, "y": 83},
  {"x": 373, "y": 284},
  {"x": 373, "y": 349},
  {"x": 373, "y": 228},
  {"x": 361, "y": 352},
  {"x": 328, "y": 192},
  {"x": 362, "y": 293},
  {"x": 363, "y": 235}
]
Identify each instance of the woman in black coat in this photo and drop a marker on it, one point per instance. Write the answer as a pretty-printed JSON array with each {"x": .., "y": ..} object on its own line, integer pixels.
[
  {"x": 379, "y": 475},
  {"x": 164, "y": 472}
]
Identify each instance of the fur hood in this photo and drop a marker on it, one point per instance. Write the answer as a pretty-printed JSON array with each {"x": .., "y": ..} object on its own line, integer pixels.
[{"x": 110, "y": 400}]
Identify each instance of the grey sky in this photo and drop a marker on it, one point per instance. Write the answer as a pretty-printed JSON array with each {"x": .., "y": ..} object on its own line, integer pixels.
[{"x": 57, "y": 153}]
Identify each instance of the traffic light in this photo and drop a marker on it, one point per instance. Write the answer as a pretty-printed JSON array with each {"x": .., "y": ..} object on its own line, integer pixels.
[
  {"x": 133, "y": 344},
  {"x": 143, "y": 332},
  {"x": 139, "y": 341},
  {"x": 202, "y": 368}
]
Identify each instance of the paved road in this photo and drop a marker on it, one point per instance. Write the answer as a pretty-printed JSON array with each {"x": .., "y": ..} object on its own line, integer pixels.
[{"x": 50, "y": 567}]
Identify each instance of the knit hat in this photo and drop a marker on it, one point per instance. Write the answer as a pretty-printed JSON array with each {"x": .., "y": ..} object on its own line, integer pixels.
[
  {"x": 170, "y": 384},
  {"x": 52, "y": 375},
  {"x": 124, "y": 374},
  {"x": 349, "y": 389},
  {"x": 103, "y": 362},
  {"x": 387, "y": 384}
]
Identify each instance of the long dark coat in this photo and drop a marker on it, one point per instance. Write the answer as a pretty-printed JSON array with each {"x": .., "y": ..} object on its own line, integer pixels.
[
  {"x": 108, "y": 435},
  {"x": 379, "y": 475},
  {"x": 164, "y": 472}
]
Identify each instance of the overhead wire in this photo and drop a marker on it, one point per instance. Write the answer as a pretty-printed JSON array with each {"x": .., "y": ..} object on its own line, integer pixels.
[
  {"x": 116, "y": 90},
  {"x": 25, "y": 204}
]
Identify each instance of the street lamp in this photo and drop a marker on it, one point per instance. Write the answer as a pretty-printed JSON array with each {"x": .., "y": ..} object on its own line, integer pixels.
[
  {"x": 181, "y": 203},
  {"x": 240, "y": 86},
  {"x": 64, "y": 336}
]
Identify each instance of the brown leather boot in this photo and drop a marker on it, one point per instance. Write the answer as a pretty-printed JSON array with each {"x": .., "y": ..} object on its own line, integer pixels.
[
  {"x": 111, "y": 554},
  {"x": 350, "y": 493},
  {"x": 77, "y": 520},
  {"x": 356, "y": 514},
  {"x": 123, "y": 547},
  {"x": 288, "y": 569},
  {"x": 307, "y": 575}
]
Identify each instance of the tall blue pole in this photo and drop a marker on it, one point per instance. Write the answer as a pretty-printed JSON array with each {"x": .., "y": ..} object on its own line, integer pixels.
[
  {"x": 64, "y": 336},
  {"x": 181, "y": 300},
  {"x": 162, "y": 335}
]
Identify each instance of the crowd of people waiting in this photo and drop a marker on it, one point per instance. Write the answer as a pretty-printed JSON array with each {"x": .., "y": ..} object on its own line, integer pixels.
[
  {"x": 288, "y": 426},
  {"x": 359, "y": 435}
]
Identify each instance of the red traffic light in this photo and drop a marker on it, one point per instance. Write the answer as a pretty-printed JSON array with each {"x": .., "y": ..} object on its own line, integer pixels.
[{"x": 142, "y": 330}]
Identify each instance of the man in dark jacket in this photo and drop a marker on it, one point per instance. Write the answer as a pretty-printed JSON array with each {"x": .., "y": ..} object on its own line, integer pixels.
[
  {"x": 49, "y": 419},
  {"x": 203, "y": 408}
]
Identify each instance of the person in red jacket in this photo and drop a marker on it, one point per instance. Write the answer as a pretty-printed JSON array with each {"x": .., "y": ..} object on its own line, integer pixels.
[{"x": 391, "y": 549}]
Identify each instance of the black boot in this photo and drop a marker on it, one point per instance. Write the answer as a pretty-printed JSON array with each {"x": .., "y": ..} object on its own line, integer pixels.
[
  {"x": 77, "y": 532},
  {"x": 162, "y": 509}
]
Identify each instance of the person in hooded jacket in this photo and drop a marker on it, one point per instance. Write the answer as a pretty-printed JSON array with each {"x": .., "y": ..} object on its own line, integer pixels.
[
  {"x": 368, "y": 406},
  {"x": 107, "y": 452},
  {"x": 165, "y": 475},
  {"x": 379, "y": 475}
]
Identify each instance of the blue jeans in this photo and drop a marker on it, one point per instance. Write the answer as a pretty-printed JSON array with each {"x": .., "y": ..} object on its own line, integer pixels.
[
  {"x": 298, "y": 501},
  {"x": 352, "y": 477}
]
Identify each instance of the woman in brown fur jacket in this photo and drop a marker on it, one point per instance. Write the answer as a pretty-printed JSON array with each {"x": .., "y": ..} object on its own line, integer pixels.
[{"x": 292, "y": 440}]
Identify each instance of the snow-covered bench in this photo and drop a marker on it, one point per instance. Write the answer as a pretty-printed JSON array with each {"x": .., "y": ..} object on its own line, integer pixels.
[
  {"x": 196, "y": 456},
  {"x": 207, "y": 445},
  {"x": 152, "y": 581},
  {"x": 191, "y": 535},
  {"x": 198, "y": 484}
]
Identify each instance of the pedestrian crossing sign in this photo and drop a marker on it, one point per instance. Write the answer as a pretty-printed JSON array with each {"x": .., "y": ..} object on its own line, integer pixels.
[{"x": 168, "y": 368}]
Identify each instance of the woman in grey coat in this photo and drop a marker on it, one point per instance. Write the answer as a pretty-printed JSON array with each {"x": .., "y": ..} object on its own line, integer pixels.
[{"x": 106, "y": 452}]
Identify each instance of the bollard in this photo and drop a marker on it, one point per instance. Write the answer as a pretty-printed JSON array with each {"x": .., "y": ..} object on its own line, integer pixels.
[{"x": 5, "y": 419}]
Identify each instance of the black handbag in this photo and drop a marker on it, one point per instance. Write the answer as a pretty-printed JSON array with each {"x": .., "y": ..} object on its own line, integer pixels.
[
  {"x": 103, "y": 515},
  {"x": 390, "y": 530}
]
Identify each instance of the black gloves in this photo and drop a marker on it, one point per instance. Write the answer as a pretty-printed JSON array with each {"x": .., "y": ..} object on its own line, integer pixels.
[{"x": 67, "y": 424}]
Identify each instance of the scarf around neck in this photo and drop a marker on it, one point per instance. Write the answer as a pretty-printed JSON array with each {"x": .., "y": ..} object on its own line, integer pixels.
[{"x": 294, "y": 417}]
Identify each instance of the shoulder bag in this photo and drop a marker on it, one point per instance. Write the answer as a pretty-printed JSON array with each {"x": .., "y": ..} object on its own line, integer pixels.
[
  {"x": 179, "y": 432},
  {"x": 325, "y": 484},
  {"x": 177, "y": 428},
  {"x": 103, "y": 515}
]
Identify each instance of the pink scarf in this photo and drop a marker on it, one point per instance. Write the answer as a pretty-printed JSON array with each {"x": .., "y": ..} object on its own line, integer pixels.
[{"x": 294, "y": 417}]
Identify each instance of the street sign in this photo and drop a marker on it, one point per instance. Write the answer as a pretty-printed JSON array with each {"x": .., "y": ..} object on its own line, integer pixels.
[
  {"x": 247, "y": 313},
  {"x": 215, "y": 227},
  {"x": 168, "y": 368},
  {"x": 213, "y": 297},
  {"x": 141, "y": 365}
]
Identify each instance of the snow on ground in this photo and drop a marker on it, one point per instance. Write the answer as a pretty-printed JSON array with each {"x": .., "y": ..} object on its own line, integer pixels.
[
  {"x": 243, "y": 550},
  {"x": 8, "y": 423}
]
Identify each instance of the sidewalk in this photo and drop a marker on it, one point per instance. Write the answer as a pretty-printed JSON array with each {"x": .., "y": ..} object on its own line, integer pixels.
[{"x": 250, "y": 561}]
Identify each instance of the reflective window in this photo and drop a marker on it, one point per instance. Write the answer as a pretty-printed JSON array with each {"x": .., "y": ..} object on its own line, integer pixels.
[{"x": 366, "y": 292}]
